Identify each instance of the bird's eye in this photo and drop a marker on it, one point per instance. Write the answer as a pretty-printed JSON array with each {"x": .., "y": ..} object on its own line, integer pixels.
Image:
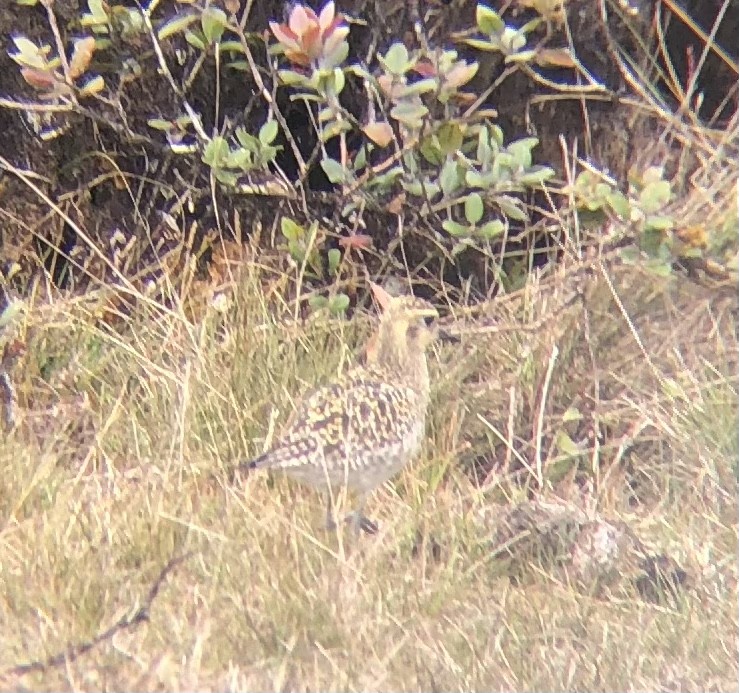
[{"x": 428, "y": 320}]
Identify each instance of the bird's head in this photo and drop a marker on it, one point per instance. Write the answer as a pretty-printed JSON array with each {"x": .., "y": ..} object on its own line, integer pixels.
[{"x": 407, "y": 327}]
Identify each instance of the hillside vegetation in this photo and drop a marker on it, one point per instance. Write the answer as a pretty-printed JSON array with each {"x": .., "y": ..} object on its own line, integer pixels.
[{"x": 188, "y": 235}]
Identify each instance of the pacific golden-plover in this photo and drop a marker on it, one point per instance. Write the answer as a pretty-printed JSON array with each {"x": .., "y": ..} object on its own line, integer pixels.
[{"x": 360, "y": 430}]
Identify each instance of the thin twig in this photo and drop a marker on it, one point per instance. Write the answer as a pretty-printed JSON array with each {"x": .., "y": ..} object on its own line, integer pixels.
[
  {"x": 73, "y": 652},
  {"x": 271, "y": 103},
  {"x": 60, "y": 48}
]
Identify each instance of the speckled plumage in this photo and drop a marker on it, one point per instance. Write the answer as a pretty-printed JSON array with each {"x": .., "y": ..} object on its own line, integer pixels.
[{"x": 360, "y": 430}]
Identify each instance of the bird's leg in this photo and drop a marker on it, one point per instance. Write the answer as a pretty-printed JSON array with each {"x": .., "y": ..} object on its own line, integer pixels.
[{"x": 358, "y": 519}]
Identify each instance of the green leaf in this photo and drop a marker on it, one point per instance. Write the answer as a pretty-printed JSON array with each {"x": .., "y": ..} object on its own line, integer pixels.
[
  {"x": 422, "y": 86},
  {"x": 652, "y": 241},
  {"x": 484, "y": 150},
  {"x": 513, "y": 40},
  {"x": 225, "y": 177},
  {"x": 659, "y": 268},
  {"x": 239, "y": 158},
  {"x": 450, "y": 178},
  {"x": 414, "y": 187},
  {"x": 25, "y": 46},
  {"x": 396, "y": 60},
  {"x": 216, "y": 152},
  {"x": 531, "y": 25},
  {"x": 334, "y": 129},
  {"x": 497, "y": 133},
  {"x": 491, "y": 229},
  {"x": 473, "y": 208},
  {"x": 536, "y": 175},
  {"x": 214, "y": 21},
  {"x": 454, "y": 228},
  {"x": 430, "y": 189},
  {"x": 572, "y": 414},
  {"x": 459, "y": 247},
  {"x": 337, "y": 56},
  {"x": 176, "y": 25},
  {"x": 521, "y": 57},
  {"x": 334, "y": 260},
  {"x": 334, "y": 171},
  {"x": 655, "y": 222},
  {"x": 159, "y": 124},
  {"x": 521, "y": 151},
  {"x": 425, "y": 188},
  {"x": 619, "y": 203},
  {"x": 482, "y": 45},
  {"x": 476, "y": 180},
  {"x": 360, "y": 160},
  {"x": 504, "y": 160},
  {"x": 410, "y": 114},
  {"x": 231, "y": 47},
  {"x": 297, "y": 251},
  {"x": 291, "y": 230},
  {"x": 691, "y": 252},
  {"x": 488, "y": 20},
  {"x": 317, "y": 302},
  {"x": 291, "y": 78},
  {"x": 338, "y": 304},
  {"x": 93, "y": 85},
  {"x": 268, "y": 132},
  {"x": 247, "y": 141},
  {"x": 28, "y": 53},
  {"x": 339, "y": 80},
  {"x": 268, "y": 154},
  {"x": 655, "y": 196},
  {"x": 97, "y": 9},
  {"x": 566, "y": 445},
  {"x": 326, "y": 115},
  {"x": 195, "y": 39},
  {"x": 450, "y": 138},
  {"x": 431, "y": 151},
  {"x": 511, "y": 207}
]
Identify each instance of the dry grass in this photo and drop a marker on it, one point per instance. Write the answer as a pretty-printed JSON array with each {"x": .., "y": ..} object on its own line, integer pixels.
[{"x": 123, "y": 454}]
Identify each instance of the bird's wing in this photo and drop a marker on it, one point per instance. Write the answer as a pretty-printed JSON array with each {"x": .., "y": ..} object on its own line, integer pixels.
[{"x": 352, "y": 414}]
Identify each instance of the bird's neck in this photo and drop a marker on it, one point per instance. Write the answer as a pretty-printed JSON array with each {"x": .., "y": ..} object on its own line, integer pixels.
[{"x": 409, "y": 367}]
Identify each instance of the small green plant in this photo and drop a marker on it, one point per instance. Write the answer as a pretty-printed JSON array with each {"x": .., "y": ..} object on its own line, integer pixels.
[
  {"x": 498, "y": 37},
  {"x": 230, "y": 160},
  {"x": 454, "y": 164},
  {"x": 205, "y": 30},
  {"x": 646, "y": 216},
  {"x": 108, "y": 21},
  {"x": 304, "y": 247},
  {"x": 213, "y": 23},
  {"x": 644, "y": 211}
]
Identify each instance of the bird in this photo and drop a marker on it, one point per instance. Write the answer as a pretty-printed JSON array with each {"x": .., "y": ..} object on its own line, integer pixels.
[{"x": 360, "y": 430}]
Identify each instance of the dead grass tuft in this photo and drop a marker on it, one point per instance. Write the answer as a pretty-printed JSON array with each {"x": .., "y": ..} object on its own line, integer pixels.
[{"x": 616, "y": 419}]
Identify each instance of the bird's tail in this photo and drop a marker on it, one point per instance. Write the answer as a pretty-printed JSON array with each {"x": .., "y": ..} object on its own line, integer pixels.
[
  {"x": 283, "y": 457},
  {"x": 255, "y": 463}
]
